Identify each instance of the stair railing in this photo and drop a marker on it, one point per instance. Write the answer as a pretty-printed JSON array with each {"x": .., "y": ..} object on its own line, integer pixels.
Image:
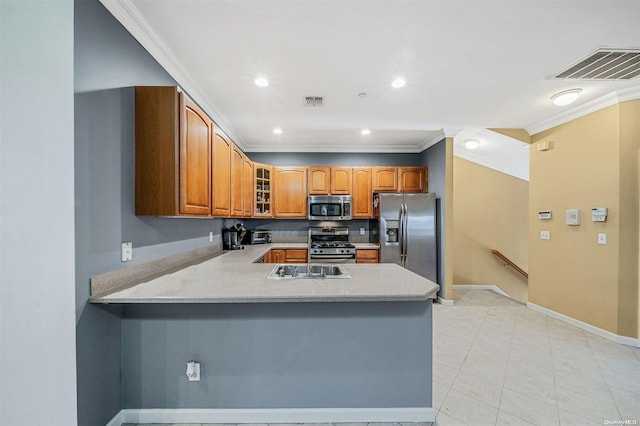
[{"x": 509, "y": 263}]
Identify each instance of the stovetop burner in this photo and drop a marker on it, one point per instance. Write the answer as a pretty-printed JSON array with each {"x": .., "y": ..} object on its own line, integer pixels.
[{"x": 328, "y": 244}]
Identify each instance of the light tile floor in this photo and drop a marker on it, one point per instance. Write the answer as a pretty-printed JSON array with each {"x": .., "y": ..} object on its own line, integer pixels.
[{"x": 496, "y": 362}]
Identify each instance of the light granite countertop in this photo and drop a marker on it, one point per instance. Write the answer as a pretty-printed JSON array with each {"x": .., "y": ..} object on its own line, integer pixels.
[{"x": 233, "y": 278}]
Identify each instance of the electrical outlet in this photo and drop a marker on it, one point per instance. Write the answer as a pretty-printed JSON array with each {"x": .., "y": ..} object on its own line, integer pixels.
[
  {"x": 545, "y": 235},
  {"x": 602, "y": 239},
  {"x": 362, "y": 231},
  {"x": 210, "y": 237},
  {"x": 193, "y": 371},
  {"x": 127, "y": 251}
]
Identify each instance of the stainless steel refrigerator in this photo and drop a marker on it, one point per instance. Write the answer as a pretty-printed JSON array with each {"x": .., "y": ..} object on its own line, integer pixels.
[{"x": 407, "y": 229}]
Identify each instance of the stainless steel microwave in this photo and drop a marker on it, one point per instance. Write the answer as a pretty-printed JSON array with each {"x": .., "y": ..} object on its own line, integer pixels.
[{"x": 330, "y": 207}]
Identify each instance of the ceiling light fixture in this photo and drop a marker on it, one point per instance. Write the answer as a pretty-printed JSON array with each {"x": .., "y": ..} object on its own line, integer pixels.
[
  {"x": 261, "y": 82},
  {"x": 471, "y": 143},
  {"x": 365, "y": 132},
  {"x": 566, "y": 97},
  {"x": 277, "y": 131},
  {"x": 398, "y": 83}
]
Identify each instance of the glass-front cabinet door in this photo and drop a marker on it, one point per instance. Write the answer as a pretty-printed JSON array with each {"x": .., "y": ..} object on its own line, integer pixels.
[{"x": 263, "y": 190}]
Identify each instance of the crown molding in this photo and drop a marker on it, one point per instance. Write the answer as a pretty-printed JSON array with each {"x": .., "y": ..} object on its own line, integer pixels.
[
  {"x": 602, "y": 102},
  {"x": 133, "y": 21},
  {"x": 387, "y": 148},
  {"x": 430, "y": 142}
]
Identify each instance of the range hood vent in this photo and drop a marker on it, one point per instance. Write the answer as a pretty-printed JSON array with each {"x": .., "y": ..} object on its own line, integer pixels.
[
  {"x": 313, "y": 101},
  {"x": 605, "y": 64}
]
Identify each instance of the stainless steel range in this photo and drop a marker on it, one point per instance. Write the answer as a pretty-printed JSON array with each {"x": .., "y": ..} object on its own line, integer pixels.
[{"x": 331, "y": 245}]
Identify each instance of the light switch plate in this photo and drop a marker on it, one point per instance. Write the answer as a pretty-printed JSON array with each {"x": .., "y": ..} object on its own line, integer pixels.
[{"x": 127, "y": 251}]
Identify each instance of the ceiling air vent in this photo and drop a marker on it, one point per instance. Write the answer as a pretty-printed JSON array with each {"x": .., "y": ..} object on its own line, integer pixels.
[
  {"x": 313, "y": 101},
  {"x": 605, "y": 64}
]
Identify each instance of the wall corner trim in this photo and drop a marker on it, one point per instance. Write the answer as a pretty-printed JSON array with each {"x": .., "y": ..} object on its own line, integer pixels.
[
  {"x": 624, "y": 340},
  {"x": 275, "y": 415}
]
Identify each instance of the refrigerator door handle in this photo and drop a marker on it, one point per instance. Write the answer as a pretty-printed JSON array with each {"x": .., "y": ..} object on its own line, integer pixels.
[
  {"x": 401, "y": 233},
  {"x": 405, "y": 234}
]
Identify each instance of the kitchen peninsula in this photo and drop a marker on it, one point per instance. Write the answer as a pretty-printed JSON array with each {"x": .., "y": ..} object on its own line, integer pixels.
[{"x": 284, "y": 351}]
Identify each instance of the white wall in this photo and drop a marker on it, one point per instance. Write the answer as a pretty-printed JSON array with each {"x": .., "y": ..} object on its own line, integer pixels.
[{"x": 37, "y": 323}]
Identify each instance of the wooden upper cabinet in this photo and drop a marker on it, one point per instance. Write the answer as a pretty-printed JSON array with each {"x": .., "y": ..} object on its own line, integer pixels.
[
  {"x": 341, "y": 178},
  {"x": 362, "y": 197},
  {"x": 290, "y": 194},
  {"x": 319, "y": 180},
  {"x": 385, "y": 179},
  {"x": 412, "y": 179},
  {"x": 172, "y": 154},
  {"x": 247, "y": 187},
  {"x": 237, "y": 162},
  {"x": 195, "y": 159},
  {"x": 329, "y": 180},
  {"x": 221, "y": 176}
]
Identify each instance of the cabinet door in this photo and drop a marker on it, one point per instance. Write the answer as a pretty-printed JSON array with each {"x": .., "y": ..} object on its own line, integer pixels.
[
  {"x": 221, "y": 176},
  {"x": 412, "y": 179},
  {"x": 296, "y": 256},
  {"x": 385, "y": 179},
  {"x": 195, "y": 159},
  {"x": 277, "y": 256},
  {"x": 263, "y": 190},
  {"x": 362, "y": 199},
  {"x": 341, "y": 180},
  {"x": 237, "y": 160},
  {"x": 247, "y": 187},
  {"x": 290, "y": 196},
  {"x": 366, "y": 256},
  {"x": 319, "y": 178}
]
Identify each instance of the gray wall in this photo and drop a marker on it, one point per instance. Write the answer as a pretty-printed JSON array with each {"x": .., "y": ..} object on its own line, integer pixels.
[
  {"x": 108, "y": 61},
  {"x": 279, "y": 355},
  {"x": 434, "y": 158},
  {"x": 335, "y": 159},
  {"x": 37, "y": 339}
]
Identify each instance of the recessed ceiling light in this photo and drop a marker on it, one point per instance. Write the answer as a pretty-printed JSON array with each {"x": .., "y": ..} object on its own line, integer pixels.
[
  {"x": 398, "y": 83},
  {"x": 261, "y": 82},
  {"x": 566, "y": 97},
  {"x": 277, "y": 131},
  {"x": 365, "y": 132},
  {"x": 471, "y": 143}
]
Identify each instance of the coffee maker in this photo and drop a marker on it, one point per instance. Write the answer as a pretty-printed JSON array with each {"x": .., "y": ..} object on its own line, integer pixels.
[{"x": 232, "y": 237}]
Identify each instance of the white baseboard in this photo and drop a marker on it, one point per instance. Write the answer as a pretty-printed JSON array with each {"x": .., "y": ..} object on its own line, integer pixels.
[
  {"x": 481, "y": 287},
  {"x": 629, "y": 341},
  {"x": 275, "y": 415},
  {"x": 446, "y": 302},
  {"x": 117, "y": 420}
]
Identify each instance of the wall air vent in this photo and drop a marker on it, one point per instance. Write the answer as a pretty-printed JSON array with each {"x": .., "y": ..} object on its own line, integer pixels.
[
  {"x": 605, "y": 64},
  {"x": 313, "y": 101}
]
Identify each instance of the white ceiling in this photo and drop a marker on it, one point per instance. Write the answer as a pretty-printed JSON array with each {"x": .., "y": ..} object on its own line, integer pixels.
[{"x": 468, "y": 65}]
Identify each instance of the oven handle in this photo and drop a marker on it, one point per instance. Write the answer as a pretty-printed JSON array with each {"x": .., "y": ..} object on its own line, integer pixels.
[{"x": 334, "y": 258}]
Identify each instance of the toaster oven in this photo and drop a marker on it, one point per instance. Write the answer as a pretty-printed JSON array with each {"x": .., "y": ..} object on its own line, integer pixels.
[{"x": 259, "y": 236}]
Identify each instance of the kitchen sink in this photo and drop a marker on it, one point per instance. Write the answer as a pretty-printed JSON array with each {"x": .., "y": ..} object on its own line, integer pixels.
[{"x": 314, "y": 271}]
